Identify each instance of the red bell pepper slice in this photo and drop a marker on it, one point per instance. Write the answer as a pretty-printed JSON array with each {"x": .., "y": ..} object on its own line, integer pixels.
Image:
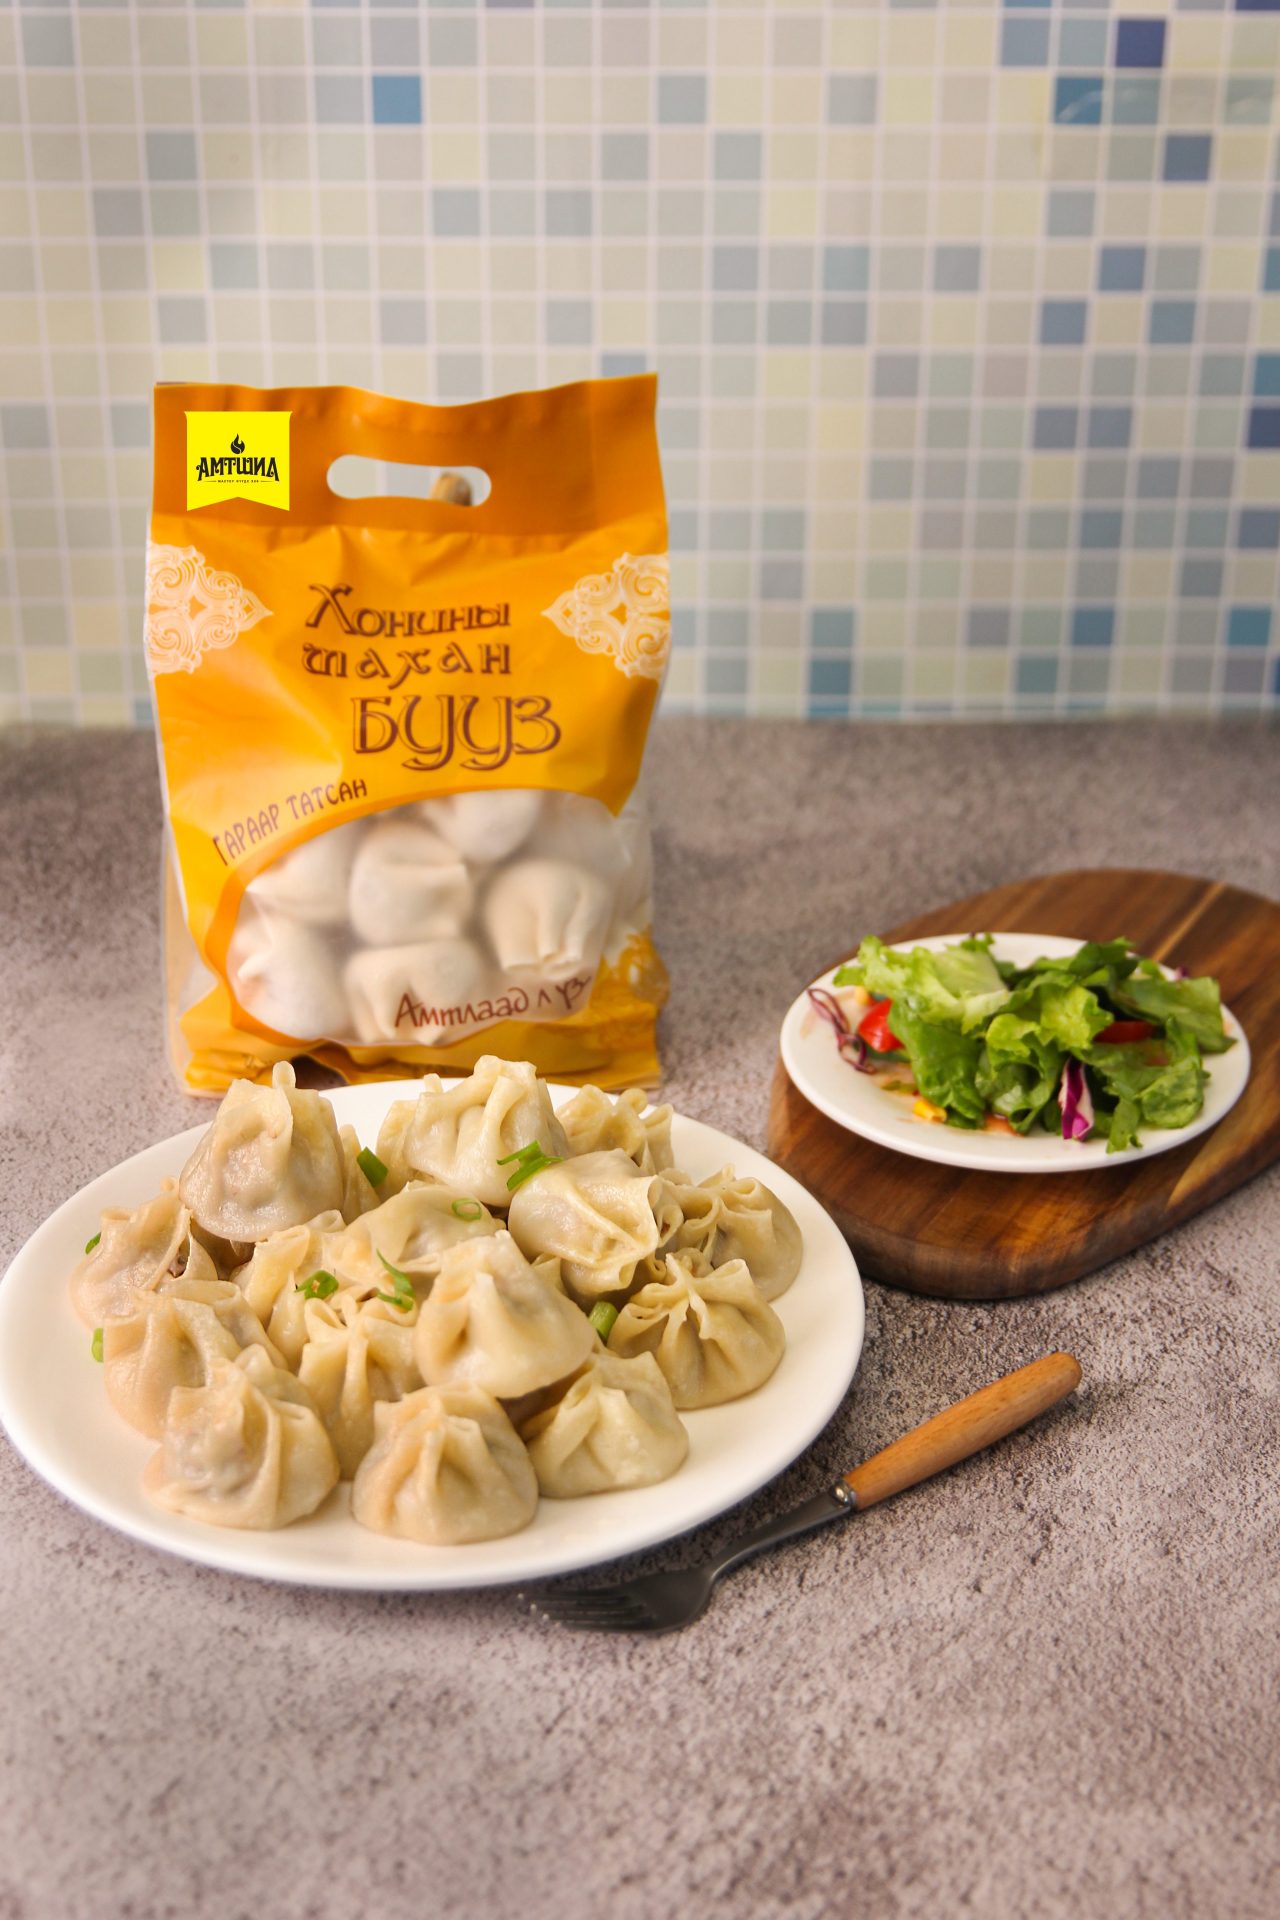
[{"x": 874, "y": 1028}]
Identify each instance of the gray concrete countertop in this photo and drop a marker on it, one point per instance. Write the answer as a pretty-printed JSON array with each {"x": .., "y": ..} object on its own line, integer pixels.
[{"x": 1045, "y": 1684}]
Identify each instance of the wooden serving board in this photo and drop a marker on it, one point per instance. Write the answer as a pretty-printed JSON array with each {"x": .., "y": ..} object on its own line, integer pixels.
[{"x": 967, "y": 1235}]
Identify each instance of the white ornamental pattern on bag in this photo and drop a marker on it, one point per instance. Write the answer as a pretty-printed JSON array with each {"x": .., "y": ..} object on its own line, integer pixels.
[
  {"x": 193, "y": 608},
  {"x": 625, "y": 613}
]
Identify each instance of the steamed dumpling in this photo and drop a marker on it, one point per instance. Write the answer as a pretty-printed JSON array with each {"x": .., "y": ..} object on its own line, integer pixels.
[
  {"x": 598, "y": 1215},
  {"x": 494, "y": 1321},
  {"x": 484, "y": 826},
  {"x": 391, "y": 1148},
  {"x": 446, "y": 1467},
  {"x": 284, "y": 974},
  {"x": 408, "y": 884},
  {"x": 272, "y": 1281},
  {"x": 712, "y": 1334},
  {"x": 754, "y": 1225},
  {"x": 171, "y": 1338},
  {"x": 462, "y": 1132},
  {"x": 310, "y": 883},
  {"x": 417, "y": 993},
  {"x": 357, "y": 1353},
  {"x": 271, "y": 1159},
  {"x": 593, "y": 1122},
  {"x": 414, "y": 1230},
  {"x": 246, "y": 1449},
  {"x": 699, "y": 1216},
  {"x": 546, "y": 919},
  {"x": 137, "y": 1248},
  {"x": 615, "y": 1426}
]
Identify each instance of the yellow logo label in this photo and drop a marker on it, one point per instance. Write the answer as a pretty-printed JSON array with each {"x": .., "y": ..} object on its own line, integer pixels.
[{"x": 238, "y": 456}]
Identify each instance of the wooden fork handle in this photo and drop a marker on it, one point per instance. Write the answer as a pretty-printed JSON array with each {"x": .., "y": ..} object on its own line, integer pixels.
[{"x": 966, "y": 1428}]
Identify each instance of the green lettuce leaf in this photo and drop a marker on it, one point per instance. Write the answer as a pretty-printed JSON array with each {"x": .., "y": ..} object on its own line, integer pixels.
[
  {"x": 958, "y": 987},
  {"x": 943, "y": 1061},
  {"x": 1194, "y": 1004}
]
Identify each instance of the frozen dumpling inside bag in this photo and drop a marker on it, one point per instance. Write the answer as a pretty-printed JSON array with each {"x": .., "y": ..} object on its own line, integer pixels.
[
  {"x": 284, "y": 973},
  {"x": 408, "y": 884},
  {"x": 484, "y": 827},
  {"x": 310, "y": 882},
  {"x": 547, "y": 919},
  {"x": 417, "y": 994}
]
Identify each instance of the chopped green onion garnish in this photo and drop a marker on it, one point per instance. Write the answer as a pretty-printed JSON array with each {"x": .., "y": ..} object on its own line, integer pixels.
[
  {"x": 373, "y": 1169},
  {"x": 467, "y": 1209},
  {"x": 89, "y": 1245},
  {"x": 403, "y": 1297},
  {"x": 318, "y": 1287},
  {"x": 95, "y": 1345},
  {"x": 531, "y": 1160},
  {"x": 602, "y": 1317}
]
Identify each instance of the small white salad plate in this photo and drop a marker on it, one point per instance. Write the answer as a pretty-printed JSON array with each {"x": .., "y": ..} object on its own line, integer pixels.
[
  {"x": 857, "y": 1101},
  {"x": 57, "y": 1415}
]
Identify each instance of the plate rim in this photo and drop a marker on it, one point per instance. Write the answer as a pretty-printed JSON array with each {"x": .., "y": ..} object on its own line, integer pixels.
[
  {"x": 242, "y": 1552},
  {"x": 970, "y": 1158}
]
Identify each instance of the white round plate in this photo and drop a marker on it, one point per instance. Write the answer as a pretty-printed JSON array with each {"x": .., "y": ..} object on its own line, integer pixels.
[
  {"x": 57, "y": 1415},
  {"x": 855, "y": 1100}
]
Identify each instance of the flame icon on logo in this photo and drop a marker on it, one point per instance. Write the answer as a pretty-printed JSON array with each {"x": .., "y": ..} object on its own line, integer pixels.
[{"x": 237, "y": 445}]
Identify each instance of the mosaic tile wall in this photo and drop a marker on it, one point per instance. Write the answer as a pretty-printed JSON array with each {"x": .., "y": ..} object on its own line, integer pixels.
[{"x": 967, "y": 316}]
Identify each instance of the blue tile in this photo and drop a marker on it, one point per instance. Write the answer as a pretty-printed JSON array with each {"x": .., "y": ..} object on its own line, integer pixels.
[
  {"x": 1056, "y": 429},
  {"x": 738, "y": 156},
  {"x": 831, "y": 628},
  {"x": 171, "y": 156},
  {"x": 1077, "y": 100},
  {"x": 1207, "y": 527},
  {"x": 1093, "y": 626},
  {"x": 1259, "y": 529},
  {"x": 782, "y": 579},
  {"x": 24, "y": 426},
  {"x": 1082, "y": 43},
  {"x": 1271, "y": 271},
  {"x": 684, "y": 629},
  {"x": 46, "y": 42},
  {"x": 1172, "y": 323},
  {"x": 1249, "y": 626},
  {"x": 1024, "y": 43},
  {"x": 1036, "y": 675},
  {"x": 844, "y": 323},
  {"x": 1158, "y": 476},
  {"x": 397, "y": 100},
  {"x": 1062, "y": 323},
  {"x": 1071, "y": 214},
  {"x": 1101, "y": 529},
  {"x": 727, "y": 677},
  {"x": 782, "y": 530},
  {"x": 845, "y": 269},
  {"x": 568, "y": 213},
  {"x": 1264, "y": 427},
  {"x": 339, "y": 99},
  {"x": 988, "y": 627},
  {"x": 455, "y": 212},
  {"x": 1266, "y": 377},
  {"x": 735, "y": 269},
  {"x": 851, "y": 99},
  {"x": 957, "y": 269},
  {"x": 1109, "y": 427},
  {"x": 729, "y": 627},
  {"x": 830, "y": 679},
  {"x": 788, "y": 323},
  {"x": 1122, "y": 269},
  {"x": 617, "y": 366},
  {"x": 682, "y": 99},
  {"x": 1140, "y": 43},
  {"x": 1200, "y": 579},
  {"x": 1187, "y": 156},
  {"x": 1135, "y": 102}
]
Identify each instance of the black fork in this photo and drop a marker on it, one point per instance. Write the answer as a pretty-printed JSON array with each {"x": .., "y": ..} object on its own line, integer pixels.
[{"x": 659, "y": 1602}]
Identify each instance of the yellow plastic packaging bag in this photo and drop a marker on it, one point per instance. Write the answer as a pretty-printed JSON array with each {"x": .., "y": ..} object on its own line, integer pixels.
[{"x": 400, "y": 738}]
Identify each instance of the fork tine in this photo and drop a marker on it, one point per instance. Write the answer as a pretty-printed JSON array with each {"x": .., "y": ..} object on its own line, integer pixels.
[{"x": 582, "y": 1608}]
